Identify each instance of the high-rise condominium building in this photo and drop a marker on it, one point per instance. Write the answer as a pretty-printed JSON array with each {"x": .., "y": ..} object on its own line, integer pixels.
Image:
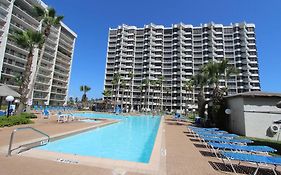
[
  {"x": 174, "y": 54},
  {"x": 52, "y": 81}
]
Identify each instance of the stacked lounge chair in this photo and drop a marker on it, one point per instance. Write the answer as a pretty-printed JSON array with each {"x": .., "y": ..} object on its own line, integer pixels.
[{"x": 228, "y": 147}]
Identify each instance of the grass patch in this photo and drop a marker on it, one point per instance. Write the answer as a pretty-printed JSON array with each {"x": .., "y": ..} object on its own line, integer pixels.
[
  {"x": 266, "y": 142},
  {"x": 23, "y": 118}
]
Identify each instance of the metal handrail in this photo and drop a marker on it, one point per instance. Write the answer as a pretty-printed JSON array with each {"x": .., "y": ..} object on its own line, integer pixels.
[{"x": 25, "y": 128}]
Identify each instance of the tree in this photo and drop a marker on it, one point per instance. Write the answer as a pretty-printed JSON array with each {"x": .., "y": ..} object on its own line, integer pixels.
[
  {"x": 84, "y": 98},
  {"x": 28, "y": 40},
  {"x": 131, "y": 76},
  {"x": 160, "y": 84},
  {"x": 115, "y": 84},
  {"x": 168, "y": 91},
  {"x": 216, "y": 71},
  {"x": 71, "y": 101},
  {"x": 145, "y": 86},
  {"x": 76, "y": 100},
  {"x": 188, "y": 88},
  {"x": 122, "y": 87},
  {"x": 106, "y": 93},
  {"x": 48, "y": 18},
  {"x": 153, "y": 83},
  {"x": 200, "y": 80}
]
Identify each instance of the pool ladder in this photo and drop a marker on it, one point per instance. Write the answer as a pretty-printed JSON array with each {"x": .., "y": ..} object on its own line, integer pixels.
[{"x": 42, "y": 142}]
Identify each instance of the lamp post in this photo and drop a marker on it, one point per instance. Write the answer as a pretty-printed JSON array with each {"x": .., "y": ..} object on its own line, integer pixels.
[{"x": 9, "y": 99}]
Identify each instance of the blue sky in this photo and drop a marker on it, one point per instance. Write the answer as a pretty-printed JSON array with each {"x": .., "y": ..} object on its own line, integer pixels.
[{"x": 91, "y": 19}]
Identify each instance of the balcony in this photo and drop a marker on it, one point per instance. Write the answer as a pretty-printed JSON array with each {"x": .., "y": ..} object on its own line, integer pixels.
[
  {"x": 19, "y": 19},
  {"x": 67, "y": 38}
]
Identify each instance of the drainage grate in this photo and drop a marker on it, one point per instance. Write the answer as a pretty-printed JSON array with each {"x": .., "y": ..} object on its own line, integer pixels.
[
  {"x": 118, "y": 172},
  {"x": 67, "y": 161}
]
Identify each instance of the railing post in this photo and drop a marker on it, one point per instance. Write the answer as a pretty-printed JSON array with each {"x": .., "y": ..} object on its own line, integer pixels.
[
  {"x": 11, "y": 142},
  {"x": 12, "y": 138}
]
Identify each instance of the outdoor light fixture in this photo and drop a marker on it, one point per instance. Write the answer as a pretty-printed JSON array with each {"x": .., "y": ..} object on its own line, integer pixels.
[
  {"x": 228, "y": 111},
  {"x": 278, "y": 105},
  {"x": 9, "y": 99}
]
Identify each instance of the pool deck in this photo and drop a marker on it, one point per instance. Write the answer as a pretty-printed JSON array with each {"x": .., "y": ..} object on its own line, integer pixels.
[{"x": 182, "y": 154}]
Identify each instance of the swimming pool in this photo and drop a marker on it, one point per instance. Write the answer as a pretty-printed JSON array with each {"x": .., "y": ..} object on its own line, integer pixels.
[{"x": 131, "y": 139}]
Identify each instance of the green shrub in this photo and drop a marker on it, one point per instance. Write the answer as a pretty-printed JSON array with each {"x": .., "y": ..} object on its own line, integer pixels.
[
  {"x": 28, "y": 115},
  {"x": 14, "y": 120},
  {"x": 192, "y": 116}
]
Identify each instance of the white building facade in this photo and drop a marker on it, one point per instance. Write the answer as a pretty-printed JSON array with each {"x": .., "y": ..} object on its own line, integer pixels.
[
  {"x": 174, "y": 54},
  {"x": 52, "y": 81}
]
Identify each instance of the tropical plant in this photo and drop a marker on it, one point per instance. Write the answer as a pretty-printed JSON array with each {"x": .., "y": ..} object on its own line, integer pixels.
[
  {"x": 188, "y": 88},
  {"x": 145, "y": 86},
  {"x": 84, "y": 98},
  {"x": 122, "y": 87},
  {"x": 153, "y": 83},
  {"x": 131, "y": 76},
  {"x": 106, "y": 93},
  {"x": 167, "y": 91},
  {"x": 115, "y": 85},
  {"x": 28, "y": 40},
  {"x": 200, "y": 80},
  {"x": 216, "y": 71},
  {"x": 160, "y": 99},
  {"x": 70, "y": 101},
  {"x": 48, "y": 18},
  {"x": 76, "y": 100}
]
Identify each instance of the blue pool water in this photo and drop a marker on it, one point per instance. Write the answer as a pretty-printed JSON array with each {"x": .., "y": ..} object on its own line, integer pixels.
[{"x": 131, "y": 139}]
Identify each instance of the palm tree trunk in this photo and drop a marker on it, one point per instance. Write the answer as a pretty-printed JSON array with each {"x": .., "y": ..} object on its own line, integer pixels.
[
  {"x": 25, "y": 83},
  {"x": 122, "y": 98},
  {"x": 36, "y": 71},
  {"x": 201, "y": 103},
  {"x": 47, "y": 32}
]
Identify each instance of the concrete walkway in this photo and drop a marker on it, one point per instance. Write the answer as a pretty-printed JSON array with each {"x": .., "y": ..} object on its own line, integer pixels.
[{"x": 183, "y": 158}]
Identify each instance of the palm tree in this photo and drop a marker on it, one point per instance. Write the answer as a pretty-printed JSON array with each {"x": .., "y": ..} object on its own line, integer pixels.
[
  {"x": 160, "y": 83},
  {"x": 106, "y": 93},
  {"x": 115, "y": 84},
  {"x": 188, "y": 87},
  {"x": 153, "y": 83},
  {"x": 131, "y": 76},
  {"x": 215, "y": 72},
  {"x": 200, "y": 80},
  {"x": 145, "y": 85},
  {"x": 122, "y": 86},
  {"x": 84, "y": 98},
  {"x": 168, "y": 91},
  {"x": 28, "y": 40},
  {"x": 49, "y": 19}
]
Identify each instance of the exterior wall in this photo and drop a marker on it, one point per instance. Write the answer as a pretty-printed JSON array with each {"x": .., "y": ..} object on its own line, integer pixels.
[
  {"x": 176, "y": 53},
  {"x": 237, "y": 120},
  {"x": 52, "y": 81},
  {"x": 260, "y": 113},
  {"x": 252, "y": 116}
]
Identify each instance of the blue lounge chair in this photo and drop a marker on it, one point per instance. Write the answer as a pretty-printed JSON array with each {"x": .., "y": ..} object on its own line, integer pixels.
[
  {"x": 2, "y": 113},
  {"x": 255, "y": 149},
  {"x": 35, "y": 107},
  {"x": 217, "y": 135},
  {"x": 215, "y": 147},
  {"x": 223, "y": 140},
  {"x": 259, "y": 160},
  {"x": 46, "y": 113}
]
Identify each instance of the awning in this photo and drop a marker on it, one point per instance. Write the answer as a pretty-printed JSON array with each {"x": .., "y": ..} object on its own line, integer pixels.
[
  {"x": 6, "y": 91},
  {"x": 278, "y": 104}
]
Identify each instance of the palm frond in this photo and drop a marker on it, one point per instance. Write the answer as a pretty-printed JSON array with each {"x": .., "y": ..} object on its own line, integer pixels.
[
  {"x": 51, "y": 12},
  {"x": 39, "y": 12}
]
